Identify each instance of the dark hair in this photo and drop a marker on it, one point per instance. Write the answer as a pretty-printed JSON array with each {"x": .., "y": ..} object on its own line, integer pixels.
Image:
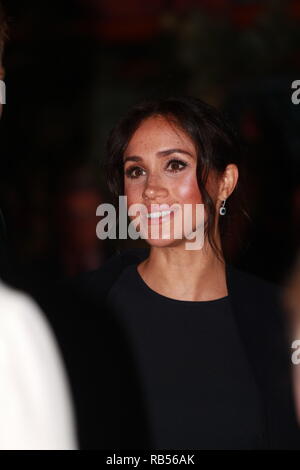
[
  {"x": 3, "y": 29},
  {"x": 216, "y": 143}
]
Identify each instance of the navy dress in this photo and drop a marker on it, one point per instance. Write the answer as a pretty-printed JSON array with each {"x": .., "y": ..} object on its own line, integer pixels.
[{"x": 196, "y": 382}]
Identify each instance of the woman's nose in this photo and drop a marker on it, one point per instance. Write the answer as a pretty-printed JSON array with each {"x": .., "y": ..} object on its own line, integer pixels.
[{"x": 154, "y": 189}]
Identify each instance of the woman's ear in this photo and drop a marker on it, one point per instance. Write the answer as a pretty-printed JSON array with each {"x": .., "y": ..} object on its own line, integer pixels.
[{"x": 228, "y": 181}]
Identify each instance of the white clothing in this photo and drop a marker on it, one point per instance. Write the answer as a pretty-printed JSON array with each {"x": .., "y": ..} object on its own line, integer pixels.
[{"x": 35, "y": 406}]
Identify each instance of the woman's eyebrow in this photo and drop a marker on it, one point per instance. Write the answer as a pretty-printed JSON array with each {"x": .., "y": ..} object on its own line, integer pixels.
[
  {"x": 132, "y": 159},
  {"x": 161, "y": 153}
]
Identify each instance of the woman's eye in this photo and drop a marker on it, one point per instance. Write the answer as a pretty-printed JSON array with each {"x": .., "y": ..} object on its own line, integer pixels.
[
  {"x": 134, "y": 172},
  {"x": 176, "y": 165}
]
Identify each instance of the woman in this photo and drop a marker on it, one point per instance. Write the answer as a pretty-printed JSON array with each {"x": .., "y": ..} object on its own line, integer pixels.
[{"x": 191, "y": 351}]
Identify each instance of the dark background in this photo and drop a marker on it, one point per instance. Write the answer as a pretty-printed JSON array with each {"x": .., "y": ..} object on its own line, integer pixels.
[{"x": 73, "y": 67}]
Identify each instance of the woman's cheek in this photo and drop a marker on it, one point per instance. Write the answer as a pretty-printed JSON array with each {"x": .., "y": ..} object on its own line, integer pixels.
[
  {"x": 187, "y": 189},
  {"x": 133, "y": 193}
]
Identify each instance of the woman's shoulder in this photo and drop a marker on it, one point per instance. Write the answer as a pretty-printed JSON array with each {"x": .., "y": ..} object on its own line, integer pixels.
[
  {"x": 259, "y": 300},
  {"x": 244, "y": 280},
  {"x": 95, "y": 285},
  {"x": 108, "y": 273}
]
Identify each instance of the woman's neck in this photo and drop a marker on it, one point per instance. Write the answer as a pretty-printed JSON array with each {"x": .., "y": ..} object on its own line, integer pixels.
[{"x": 185, "y": 275}]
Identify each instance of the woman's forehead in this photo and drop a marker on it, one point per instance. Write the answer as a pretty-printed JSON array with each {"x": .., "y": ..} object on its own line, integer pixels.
[{"x": 159, "y": 132}]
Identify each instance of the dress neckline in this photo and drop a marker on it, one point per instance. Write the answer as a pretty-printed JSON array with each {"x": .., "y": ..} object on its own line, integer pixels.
[{"x": 152, "y": 292}]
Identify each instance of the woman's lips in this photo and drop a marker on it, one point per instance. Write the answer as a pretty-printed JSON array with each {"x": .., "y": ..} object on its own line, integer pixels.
[
  {"x": 156, "y": 214},
  {"x": 160, "y": 216}
]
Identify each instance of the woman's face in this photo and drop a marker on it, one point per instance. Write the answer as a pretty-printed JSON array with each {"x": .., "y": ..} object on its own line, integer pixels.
[{"x": 160, "y": 169}]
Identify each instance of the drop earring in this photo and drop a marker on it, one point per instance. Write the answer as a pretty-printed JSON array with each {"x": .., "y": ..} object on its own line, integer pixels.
[{"x": 223, "y": 208}]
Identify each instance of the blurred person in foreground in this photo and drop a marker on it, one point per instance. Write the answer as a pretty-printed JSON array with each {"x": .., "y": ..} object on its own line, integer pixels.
[
  {"x": 35, "y": 405},
  {"x": 292, "y": 302}
]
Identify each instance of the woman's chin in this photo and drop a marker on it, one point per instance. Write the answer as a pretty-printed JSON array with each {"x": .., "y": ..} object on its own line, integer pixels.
[{"x": 163, "y": 243}]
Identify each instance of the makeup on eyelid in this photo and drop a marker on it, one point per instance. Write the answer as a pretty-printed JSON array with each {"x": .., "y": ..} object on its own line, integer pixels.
[{"x": 129, "y": 171}]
